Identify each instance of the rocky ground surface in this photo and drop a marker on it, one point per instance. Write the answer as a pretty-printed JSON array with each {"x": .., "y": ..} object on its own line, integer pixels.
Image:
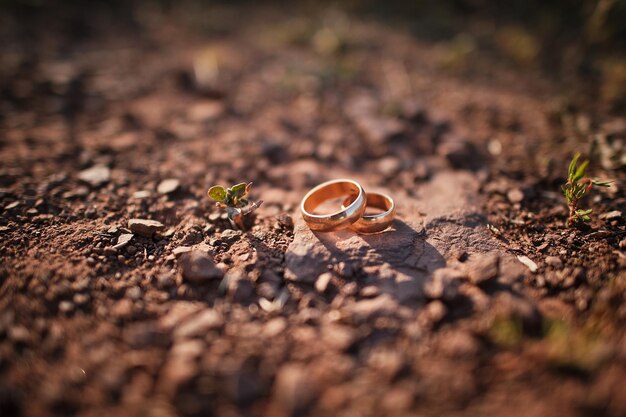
[{"x": 124, "y": 290}]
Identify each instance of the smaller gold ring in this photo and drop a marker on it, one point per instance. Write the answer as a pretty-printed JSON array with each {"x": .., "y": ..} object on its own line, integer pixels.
[
  {"x": 374, "y": 223},
  {"x": 341, "y": 219}
]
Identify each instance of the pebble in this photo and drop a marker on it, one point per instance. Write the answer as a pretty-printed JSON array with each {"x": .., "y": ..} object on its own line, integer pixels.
[
  {"x": 482, "y": 267},
  {"x": 165, "y": 279},
  {"x": 141, "y": 194},
  {"x": 611, "y": 215},
  {"x": 192, "y": 237},
  {"x": 532, "y": 266},
  {"x": 275, "y": 327},
  {"x": 381, "y": 305},
  {"x": 168, "y": 186},
  {"x": 389, "y": 166},
  {"x": 286, "y": 220},
  {"x": 345, "y": 269},
  {"x": 110, "y": 251},
  {"x": 444, "y": 284},
  {"x": 338, "y": 337},
  {"x": 66, "y": 306},
  {"x": 134, "y": 293},
  {"x": 435, "y": 311},
  {"x": 199, "y": 324},
  {"x": 19, "y": 334},
  {"x": 515, "y": 195},
  {"x": 180, "y": 250},
  {"x": 321, "y": 284},
  {"x": 554, "y": 261},
  {"x": 144, "y": 227},
  {"x": 294, "y": 388},
  {"x": 123, "y": 240},
  {"x": 230, "y": 235},
  {"x": 198, "y": 267},
  {"x": 80, "y": 299},
  {"x": 95, "y": 176}
]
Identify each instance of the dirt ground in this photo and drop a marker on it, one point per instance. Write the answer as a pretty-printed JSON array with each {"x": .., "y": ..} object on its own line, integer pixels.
[{"x": 478, "y": 300}]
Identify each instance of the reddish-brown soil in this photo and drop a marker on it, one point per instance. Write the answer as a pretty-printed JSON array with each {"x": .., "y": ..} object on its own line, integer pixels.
[{"x": 435, "y": 317}]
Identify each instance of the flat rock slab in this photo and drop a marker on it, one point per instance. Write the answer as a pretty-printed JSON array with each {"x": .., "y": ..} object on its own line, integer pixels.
[{"x": 429, "y": 230}]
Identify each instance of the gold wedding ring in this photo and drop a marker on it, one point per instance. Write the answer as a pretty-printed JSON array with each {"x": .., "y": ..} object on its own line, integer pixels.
[
  {"x": 341, "y": 219},
  {"x": 374, "y": 223}
]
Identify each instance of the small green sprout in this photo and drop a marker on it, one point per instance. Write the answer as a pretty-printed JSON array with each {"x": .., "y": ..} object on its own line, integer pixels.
[
  {"x": 234, "y": 201},
  {"x": 576, "y": 188}
]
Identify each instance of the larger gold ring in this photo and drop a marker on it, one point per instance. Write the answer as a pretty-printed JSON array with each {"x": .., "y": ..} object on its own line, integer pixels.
[
  {"x": 340, "y": 219},
  {"x": 374, "y": 223}
]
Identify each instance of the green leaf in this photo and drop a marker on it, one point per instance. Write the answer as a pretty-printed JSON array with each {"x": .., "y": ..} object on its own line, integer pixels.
[
  {"x": 580, "y": 172},
  {"x": 584, "y": 212},
  {"x": 602, "y": 183},
  {"x": 217, "y": 193},
  {"x": 238, "y": 190},
  {"x": 572, "y": 165}
]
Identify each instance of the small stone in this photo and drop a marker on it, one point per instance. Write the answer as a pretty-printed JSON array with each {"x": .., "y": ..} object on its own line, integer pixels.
[
  {"x": 321, "y": 284},
  {"x": 192, "y": 237},
  {"x": 515, "y": 195},
  {"x": 199, "y": 325},
  {"x": 345, "y": 269},
  {"x": 122, "y": 309},
  {"x": 95, "y": 176},
  {"x": 230, "y": 235},
  {"x": 285, "y": 220},
  {"x": 370, "y": 291},
  {"x": 110, "y": 251},
  {"x": 389, "y": 166},
  {"x": 141, "y": 194},
  {"x": 435, "y": 311},
  {"x": 482, "y": 267},
  {"x": 144, "y": 227},
  {"x": 131, "y": 250},
  {"x": 180, "y": 250},
  {"x": 198, "y": 267},
  {"x": 165, "y": 279},
  {"x": 611, "y": 215},
  {"x": 294, "y": 389},
  {"x": 267, "y": 290},
  {"x": 444, "y": 284},
  {"x": 372, "y": 307},
  {"x": 275, "y": 327},
  {"x": 338, "y": 337},
  {"x": 123, "y": 240},
  {"x": 554, "y": 261},
  {"x": 134, "y": 293},
  {"x": 19, "y": 334},
  {"x": 532, "y": 266},
  {"x": 240, "y": 288},
  {"x": 66, "y": 306},
  {"x": 168, "y": 186},
  {"x": 180, "y": 367},
  {"x": 622, "y": 244},
  {"x": 213, "y": 217},
  {"x": 80, "y": 299},
  {"x": 91, "y": 261}
]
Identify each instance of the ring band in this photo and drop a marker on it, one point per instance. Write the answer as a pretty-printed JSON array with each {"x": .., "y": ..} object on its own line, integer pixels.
[
  {"x": 374, "y": 223},
  {"x": 340, "y": 219}
]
